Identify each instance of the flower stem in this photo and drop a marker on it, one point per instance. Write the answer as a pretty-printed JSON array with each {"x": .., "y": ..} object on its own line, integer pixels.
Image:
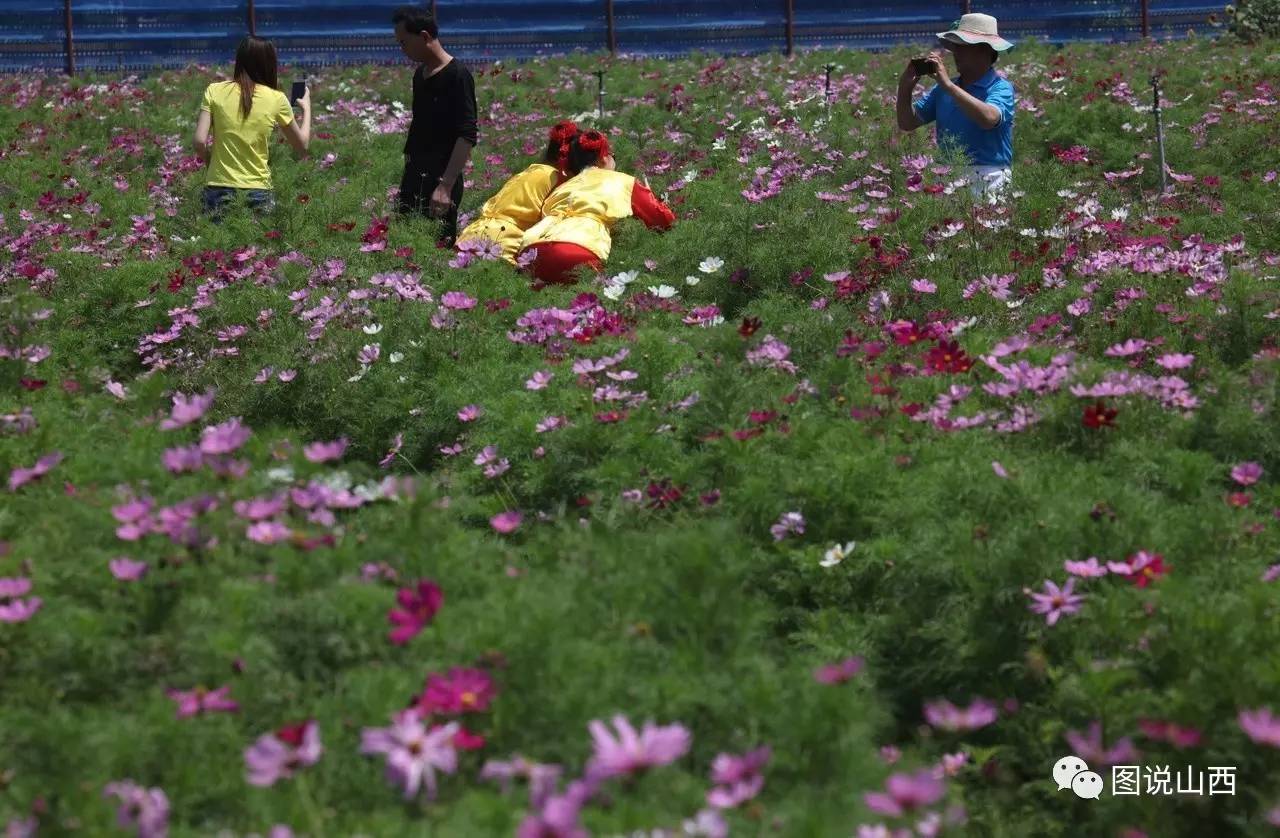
[{"x": 309, "y": 806}]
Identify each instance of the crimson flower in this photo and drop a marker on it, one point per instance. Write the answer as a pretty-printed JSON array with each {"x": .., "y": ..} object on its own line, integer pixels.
[
  {"x": 947, "y": 356},
  {"x": 1098, "y": 415},
  {"x": 418, "y": 607},
  {"x": 749, "y": 326}
]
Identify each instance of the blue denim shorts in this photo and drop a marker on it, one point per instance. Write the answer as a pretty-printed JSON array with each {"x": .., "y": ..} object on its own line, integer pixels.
[{"x": 216, "y": 199}]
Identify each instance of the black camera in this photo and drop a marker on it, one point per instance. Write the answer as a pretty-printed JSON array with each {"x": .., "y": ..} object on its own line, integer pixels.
[{"x": 923, "y": 66}]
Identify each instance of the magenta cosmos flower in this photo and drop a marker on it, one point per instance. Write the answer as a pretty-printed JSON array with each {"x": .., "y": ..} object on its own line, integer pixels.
[
  {"x": 737, "y": 778},
  {"x": 1261, "y": 726},
  {"x": 1090, "y": 748},
  {"x": 224, "y": 438},
  {"x": 21, "y": 476},
  {"x": 905, "y": 792},
  {"x": 457, "y": 300},
  {"x": 462, "y": 690},
  {"x": 413, "y": 752},
  {"x": 145, "y": 809},
  {"x": 12, "y": 609},
  {"x": 418, "y": 607},
  {"x": 838, "y": 673},
  {"x": 197, "y": 701},
  {"x": 322, "y": 452},
  {"x": 126, "y": 569},
  {"x": 629, "y": 752},
  {"x": 946, "y": 716},
  {"x": 277, "y": 756},
  {"x": 1055, "y": 601},
  {"x": 506, "y": 522},
  {"x": 1246, "y": 474},
  {"x": 187, "y": 409}
]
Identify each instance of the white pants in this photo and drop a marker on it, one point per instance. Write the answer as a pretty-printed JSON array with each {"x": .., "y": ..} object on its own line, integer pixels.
[{"x": 988, "y": 183}]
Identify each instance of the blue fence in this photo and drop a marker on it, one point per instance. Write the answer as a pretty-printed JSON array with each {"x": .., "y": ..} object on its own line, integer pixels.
[{"x": 139, "y": 34}]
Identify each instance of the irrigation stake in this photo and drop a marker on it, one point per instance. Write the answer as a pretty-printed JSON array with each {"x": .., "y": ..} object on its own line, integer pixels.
[{"x": 1155, "y": 92}]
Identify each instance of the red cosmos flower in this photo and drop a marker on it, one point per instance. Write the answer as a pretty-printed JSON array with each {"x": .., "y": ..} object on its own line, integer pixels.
[
  {"x": 749, "y": 326},
  {"x": 1147, "y": 568},
  {"x": 1171, "y": 732},
  {"x": 662, "y": 494},
  {"x": 32, "y": 383},
  {"x": 609, "y": 417},
  {"x": 418, "y": 607},
  {"x": 1239, "y": 499},
  {"x": 342, "y": 227},
  {"x": 905, "y": 332},
  {"x": 461, "y": 690},
  {"x": 947, "y": 356},
  {"x": 304, "y": 198},
  {"x": 1098, "y": 415},
  {"x": 762, "y": 417},
  {"x": 272, "y": 234},
  {"x": 749, "y": 433}
]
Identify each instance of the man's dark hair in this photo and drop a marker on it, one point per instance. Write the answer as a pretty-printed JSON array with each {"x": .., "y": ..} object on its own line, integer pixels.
[{"x": 416, "y": 20}]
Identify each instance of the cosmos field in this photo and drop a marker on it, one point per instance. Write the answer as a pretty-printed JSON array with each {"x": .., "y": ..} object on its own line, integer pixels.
[{"x": 845, "y": 507}]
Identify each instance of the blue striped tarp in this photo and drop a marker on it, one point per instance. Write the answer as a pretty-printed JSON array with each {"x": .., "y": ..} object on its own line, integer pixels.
[{"x": 139, "y": 34}]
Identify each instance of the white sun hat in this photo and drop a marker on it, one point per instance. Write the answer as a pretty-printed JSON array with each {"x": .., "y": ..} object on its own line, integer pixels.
[{"x": 975, "y": 29}]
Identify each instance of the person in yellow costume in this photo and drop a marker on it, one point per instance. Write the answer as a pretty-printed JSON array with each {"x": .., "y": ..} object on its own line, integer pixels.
[
  {"x": 242, "y": 114},
  {"x": 578, "y": 216},
  {"x": 517, "y": 206}
]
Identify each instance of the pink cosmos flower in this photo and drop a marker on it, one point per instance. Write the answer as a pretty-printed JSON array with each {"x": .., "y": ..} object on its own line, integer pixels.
[
  {"x": 413, "y": 753},
  {"x": 259, "y": 509},
  {"x": 629, "y": 752},
  {"x": 187, "y": 409},
  {"x": 322, "y": 452},
  {"x": 1271, "y": 574},
  {"x": 737, "y": 778},
  {"x": 1090, "y": 748},
  {"x": 14, "y": 587},
  {"x": 946, "y": 716},
  {"x": 539, "y": 380},
  {"x": 224, "y": 438},
  {"x": 183, "y": 458},
  {"x": 1246, "y": 474},
  {"x": 1261, "y": 726},
  {"x": 277, "y": 756},
  {"x": 145, "y": 809},
  {"x": 506, "y": 522},
  {"x": 126, "y": 569},
  {"x": 470, "y": 413},
  {"x": 390, "y": 457},
  {"x": 1089, "y": 568},
  {"x": 418, "y": 607},
  {"x": 790, "y": 523},
  {"x": 905, "y": 792},
  {"x": 20, "y": 610},
  {"x": 20, "y": 476},
  {"x": 838, "y": 673},
  {"x": 1055, "y": 601},
  {"x": 1175, "y": 361},
  {"x": 197, "y": 701},
  {"x": 559, "y": 815},
  {"x": 542, "y": 777},
  {"x": 116, "y": 389},
  {"x": 462, "y": 690},
  {"x": 457, "y": 300},
  {"x": 923, "y": 286},
  {"x": 268, "y": 532}
]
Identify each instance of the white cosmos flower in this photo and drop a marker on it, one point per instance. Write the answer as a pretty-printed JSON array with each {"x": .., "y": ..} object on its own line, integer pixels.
[
  {"x": 281, "y": 474},
  {"x": 692, "y": 280},
  {"x": 837, "y": 554},
  {"x": 358, "y": 375},
  {"x": 711, "y": 264},
  {"x": 372, "y": 328},
  {"x": 964, "y": 324},
  {"x": 625, "y": 278},
  {"x": 664, "y": 292},
  {"x": 614, "y": 290},
  {"x": 1119, "y": 214},
  {"x": 395, "y": 357}
]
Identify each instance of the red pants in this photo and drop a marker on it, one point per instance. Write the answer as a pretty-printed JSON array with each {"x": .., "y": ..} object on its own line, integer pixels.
[{"x": 555, "y": 262}]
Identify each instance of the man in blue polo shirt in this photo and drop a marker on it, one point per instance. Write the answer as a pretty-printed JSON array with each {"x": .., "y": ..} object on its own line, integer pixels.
[{"x": 974, "y": 110}]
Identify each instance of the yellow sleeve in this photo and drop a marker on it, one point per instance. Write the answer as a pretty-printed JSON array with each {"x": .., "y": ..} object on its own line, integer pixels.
[
  {"x": 284, "y": 111},
  {"x": 206, "y": 101}
]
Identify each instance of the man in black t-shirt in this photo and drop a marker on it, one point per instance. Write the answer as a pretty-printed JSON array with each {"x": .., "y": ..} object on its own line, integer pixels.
[{"x": 443, "y": 130}]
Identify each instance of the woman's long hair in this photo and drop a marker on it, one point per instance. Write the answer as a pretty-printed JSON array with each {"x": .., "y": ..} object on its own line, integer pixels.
[{"x": 255, "y": 64}]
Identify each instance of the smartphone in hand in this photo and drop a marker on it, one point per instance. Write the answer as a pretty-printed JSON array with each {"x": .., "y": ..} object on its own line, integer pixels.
[
  {"x": 298, "y": 91},
  {"x": 923, "y": 66}
]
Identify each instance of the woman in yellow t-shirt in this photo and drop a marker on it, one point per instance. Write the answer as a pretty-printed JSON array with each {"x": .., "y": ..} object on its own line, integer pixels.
[
  {"x": 242, "y": 113},
  {"x": 517, "y": 206}
]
